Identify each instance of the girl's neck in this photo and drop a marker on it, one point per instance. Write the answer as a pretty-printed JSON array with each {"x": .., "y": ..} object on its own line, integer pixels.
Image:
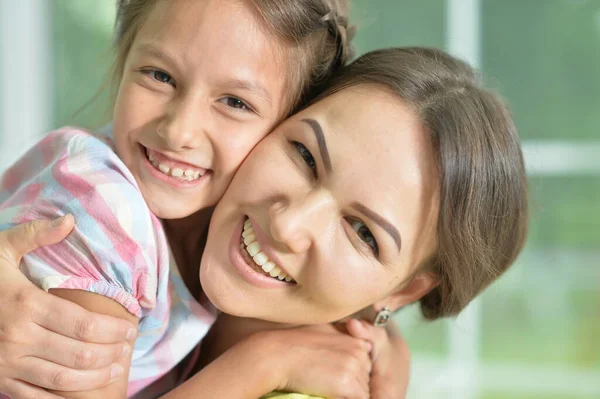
[{"x": 187, "y": 238}]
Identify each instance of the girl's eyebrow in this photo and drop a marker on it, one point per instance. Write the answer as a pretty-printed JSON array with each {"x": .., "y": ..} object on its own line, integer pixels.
[
  {"x": 318, "y": 130},
  {"x": 153, "y": 51},
  {"x": 250, "y": 86},
  {"x": 242, "y": 84}
]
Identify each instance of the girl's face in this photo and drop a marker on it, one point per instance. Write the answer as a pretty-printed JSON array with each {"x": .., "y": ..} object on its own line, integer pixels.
[
  {"x": 203, "y": 83},
  {"x": 340, "y": 201}
]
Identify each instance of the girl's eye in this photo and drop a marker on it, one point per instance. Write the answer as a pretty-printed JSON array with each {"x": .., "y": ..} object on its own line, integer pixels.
[
  {"x": 236, "y": 103},
  {"x": 160, "y": 76},
  {"x": 306, "y": 156},
  {"x": 364, "y": 234}
]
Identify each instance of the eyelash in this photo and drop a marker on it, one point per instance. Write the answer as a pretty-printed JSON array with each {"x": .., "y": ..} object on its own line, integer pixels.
[
  {"x": 244, "y": 105},
  {"x": 370, "y": 240},
  {"x": 152, "y": 74},
  {"x": 167, "y": 79},
  {"x": 306, "y": 156}
]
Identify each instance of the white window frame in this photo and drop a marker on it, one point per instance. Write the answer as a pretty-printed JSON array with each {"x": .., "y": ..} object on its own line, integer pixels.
[
  {"x": 25, "y": 64},
  {"x": 462, "y": 375}
]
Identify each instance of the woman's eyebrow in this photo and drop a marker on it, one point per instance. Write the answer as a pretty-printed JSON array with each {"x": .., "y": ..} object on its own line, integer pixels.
[
  {"x": 318, "y": 130},
  {"x": 377, "y": 218}
]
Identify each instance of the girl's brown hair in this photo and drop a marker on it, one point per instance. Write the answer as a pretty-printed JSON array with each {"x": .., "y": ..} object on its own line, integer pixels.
[
  {"x": 316, "y": 31},
  {"x": 483, "y": 212}
]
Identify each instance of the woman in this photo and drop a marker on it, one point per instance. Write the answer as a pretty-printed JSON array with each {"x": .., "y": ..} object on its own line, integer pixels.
[{"x": 455, "y": 169}]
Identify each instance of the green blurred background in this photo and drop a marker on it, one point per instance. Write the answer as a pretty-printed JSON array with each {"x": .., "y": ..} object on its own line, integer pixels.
[{"x": 536, "y": 333}]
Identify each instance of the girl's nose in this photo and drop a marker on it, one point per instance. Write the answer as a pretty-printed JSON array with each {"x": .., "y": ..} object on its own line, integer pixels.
[{"x": 185, "y": 126}]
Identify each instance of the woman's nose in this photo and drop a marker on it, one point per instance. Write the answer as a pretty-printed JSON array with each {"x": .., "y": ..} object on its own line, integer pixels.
[{"x": 298, "y": 224}]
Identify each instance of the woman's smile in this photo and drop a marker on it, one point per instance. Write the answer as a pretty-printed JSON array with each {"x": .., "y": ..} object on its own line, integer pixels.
[{"x": 246, "y": 266}]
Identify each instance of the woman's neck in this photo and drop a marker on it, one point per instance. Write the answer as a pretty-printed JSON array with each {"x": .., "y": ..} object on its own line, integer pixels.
[{"x": 187, "y": 239}]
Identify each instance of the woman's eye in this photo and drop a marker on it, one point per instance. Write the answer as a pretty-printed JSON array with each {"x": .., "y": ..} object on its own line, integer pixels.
[
  {"x": 306, "y": 156},
  {"x": 364, "y": 234},
  {"x": 160, "y": 76},
  {"x": 236, "y": 103}
]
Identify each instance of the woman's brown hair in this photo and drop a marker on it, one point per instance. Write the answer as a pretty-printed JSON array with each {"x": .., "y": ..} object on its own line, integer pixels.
[
  {"x": 316, "y": 31},
  {"x": 482, "y": 219}
]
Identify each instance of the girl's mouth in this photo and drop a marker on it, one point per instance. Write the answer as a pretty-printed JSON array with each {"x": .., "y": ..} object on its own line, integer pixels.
[
  {"x": 255, "y": 258},
  {"x": 173, "y": 169}
]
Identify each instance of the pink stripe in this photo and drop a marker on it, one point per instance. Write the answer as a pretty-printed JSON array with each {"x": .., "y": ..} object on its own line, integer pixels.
[{"x": 127, "y": 248}]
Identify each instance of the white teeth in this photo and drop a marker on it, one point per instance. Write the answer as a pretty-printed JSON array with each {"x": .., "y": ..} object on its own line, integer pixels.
[
  {"x": 163, "y": 168},
  {"x": 267, "y": 267},
  {"x": 187, "y": 174},
  {"x": 275, "y": 272},
  {"x": 253, "y": 248},
  {"x": 252, "y": 252},
  {"x": 177, "y": 172},
  {"x": 249, "y": 239},
  {"x": 260, "y": 259}
]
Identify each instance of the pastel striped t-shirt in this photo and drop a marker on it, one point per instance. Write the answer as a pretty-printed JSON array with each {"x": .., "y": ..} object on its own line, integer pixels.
[{"x": 118, "y": 247}]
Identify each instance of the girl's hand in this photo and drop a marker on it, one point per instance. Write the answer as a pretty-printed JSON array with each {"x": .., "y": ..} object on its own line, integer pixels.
[
  {"x": 329, "y": 364},
  {"x": 47, "y": 342},
  {"x": 391, "y": 359}
]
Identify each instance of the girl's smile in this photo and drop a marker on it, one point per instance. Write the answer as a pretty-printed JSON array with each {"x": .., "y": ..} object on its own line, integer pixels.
[{"x": 169, "y": 171}]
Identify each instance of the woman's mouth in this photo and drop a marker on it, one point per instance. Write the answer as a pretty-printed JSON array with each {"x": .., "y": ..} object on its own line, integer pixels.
[
  {"x": 173, "y": 169},
  {"x": 258, "y": 260}
]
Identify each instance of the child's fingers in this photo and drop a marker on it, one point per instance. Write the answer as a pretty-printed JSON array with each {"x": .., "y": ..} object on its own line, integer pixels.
[
  {"x": 357, "y": 329},
  {"x": 362, "y": 329},
  {"x": 26, "y": 237}
]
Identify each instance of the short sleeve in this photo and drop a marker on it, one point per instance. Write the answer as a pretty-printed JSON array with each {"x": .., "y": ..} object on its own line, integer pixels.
[{"x": 114, "y": 249}]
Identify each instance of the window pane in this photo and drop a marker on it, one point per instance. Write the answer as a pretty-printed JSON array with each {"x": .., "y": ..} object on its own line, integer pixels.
[
  {"x": 546, "y": 57},
  {"x": 82, "y": 58},
  {"x": 388, "y": 23}
]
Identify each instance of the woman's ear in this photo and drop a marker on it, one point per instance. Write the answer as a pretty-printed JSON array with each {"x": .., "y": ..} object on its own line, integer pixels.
[{"x": 416, "y": 289}]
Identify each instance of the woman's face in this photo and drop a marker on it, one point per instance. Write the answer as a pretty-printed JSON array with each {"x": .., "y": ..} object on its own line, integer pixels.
[{"x": 339, "y": 203}]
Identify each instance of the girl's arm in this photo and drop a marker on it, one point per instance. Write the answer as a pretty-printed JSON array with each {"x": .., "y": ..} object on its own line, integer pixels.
[
  {"x": 116, "y": 249},
  {"x": 329, "y": 364},
  {"x": 84, "y": 344}
]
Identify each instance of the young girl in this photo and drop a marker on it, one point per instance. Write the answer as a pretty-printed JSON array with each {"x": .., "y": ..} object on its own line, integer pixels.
[
  {"x": 429, "y": 206},
  {"x": 200, "y": 83}
]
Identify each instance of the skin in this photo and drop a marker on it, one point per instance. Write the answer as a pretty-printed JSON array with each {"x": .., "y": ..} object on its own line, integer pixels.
[
  {"x": 202, "y": 103},
  {"x": 206, "y": 115},
  {"x": 303, "y": 206},
  {"x": 342, "y": 128},
  {"x": 307, "y": 219},
  {"x": 194, "y": 104}
]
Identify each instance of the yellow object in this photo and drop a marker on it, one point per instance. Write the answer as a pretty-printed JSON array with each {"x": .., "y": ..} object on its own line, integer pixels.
[{"x": 287, "y": 395}]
